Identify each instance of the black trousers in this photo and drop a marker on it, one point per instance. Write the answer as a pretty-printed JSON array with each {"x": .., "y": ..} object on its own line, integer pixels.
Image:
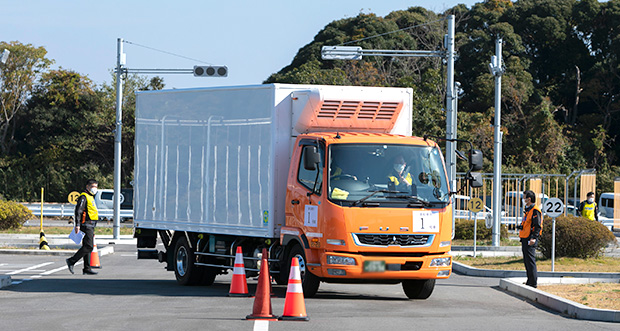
[
  {"x": 88, "y": 243},
  {"x": 529, "y": 259}
]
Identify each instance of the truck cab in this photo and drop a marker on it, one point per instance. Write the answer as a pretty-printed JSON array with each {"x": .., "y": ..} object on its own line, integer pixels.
[{"x": 360, "y": 215}]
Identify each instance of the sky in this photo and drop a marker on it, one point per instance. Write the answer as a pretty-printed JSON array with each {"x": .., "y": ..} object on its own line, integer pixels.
[{"x": 252, "y": 38}]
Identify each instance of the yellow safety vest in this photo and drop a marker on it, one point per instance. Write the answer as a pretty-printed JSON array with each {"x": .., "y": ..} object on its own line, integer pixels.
[
  {"x": 407, "y": 179},
  {"x": 91, "y": 208},
  {"x": 588, "y": 210}
]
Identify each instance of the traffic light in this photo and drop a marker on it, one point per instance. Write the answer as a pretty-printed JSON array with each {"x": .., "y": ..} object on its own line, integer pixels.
[{"x": 211, "y": 71}]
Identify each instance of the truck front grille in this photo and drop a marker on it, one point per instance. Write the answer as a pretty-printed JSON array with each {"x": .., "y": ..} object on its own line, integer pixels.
[{"x": 393, "y": 239}]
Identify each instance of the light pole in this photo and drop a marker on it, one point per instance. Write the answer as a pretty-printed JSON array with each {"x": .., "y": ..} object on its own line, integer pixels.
[
  {"x": 197, "y": 71},
  {"x": 356, "y": 53},
  {"x": 496, "y": 68}
]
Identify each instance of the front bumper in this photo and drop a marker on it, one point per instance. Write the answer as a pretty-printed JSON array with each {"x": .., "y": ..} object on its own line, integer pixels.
[{"x": 396, "y": 267}]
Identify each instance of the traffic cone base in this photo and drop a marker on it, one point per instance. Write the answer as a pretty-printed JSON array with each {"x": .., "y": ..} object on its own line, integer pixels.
[
  {"x": 94, "y": 257},
  {"x": 294, "y": 306},
  {"x": 239, "y": 285},
  {"x": 262, "y": 302}
]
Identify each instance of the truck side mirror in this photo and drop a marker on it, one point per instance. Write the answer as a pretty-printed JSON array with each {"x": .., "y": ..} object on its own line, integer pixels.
[
  {"x": 475, "y": 159},
  {"x": 311, "y": 158},
  {"x": 475, "y": 180}
]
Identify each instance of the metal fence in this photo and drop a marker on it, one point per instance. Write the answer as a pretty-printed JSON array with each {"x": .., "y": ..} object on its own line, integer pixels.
[{"x": 67, "y": 210}]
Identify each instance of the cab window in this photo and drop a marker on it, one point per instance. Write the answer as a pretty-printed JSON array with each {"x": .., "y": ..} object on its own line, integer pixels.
[{"x": 307, "y": 178}]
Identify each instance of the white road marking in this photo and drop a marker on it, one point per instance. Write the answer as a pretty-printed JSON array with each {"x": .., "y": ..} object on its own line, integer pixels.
[
  {"x": 58, "y": 269},
  {"x": 261, "y": 325},
  {"x": 29, "y": 268}
]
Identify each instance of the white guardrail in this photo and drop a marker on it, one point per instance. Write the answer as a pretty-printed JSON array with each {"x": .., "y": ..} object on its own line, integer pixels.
[{"x": 68, "y": 210}]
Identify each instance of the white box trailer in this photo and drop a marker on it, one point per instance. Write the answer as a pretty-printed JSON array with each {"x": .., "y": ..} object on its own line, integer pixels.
[{"x": 215, "y": 160}]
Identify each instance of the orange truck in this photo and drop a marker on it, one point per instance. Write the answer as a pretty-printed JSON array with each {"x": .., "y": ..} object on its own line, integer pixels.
[{"x": 327, "y": 174}]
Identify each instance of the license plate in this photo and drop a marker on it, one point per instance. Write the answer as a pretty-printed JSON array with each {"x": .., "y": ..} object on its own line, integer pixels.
[{"x": 374, "y": 266}]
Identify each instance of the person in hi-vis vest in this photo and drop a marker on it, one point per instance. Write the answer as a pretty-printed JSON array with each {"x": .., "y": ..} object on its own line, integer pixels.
[
  {"x": 530, "y": 229},
  {"x": 86, "y": 216},
  {"x": 588, "y": 208}
]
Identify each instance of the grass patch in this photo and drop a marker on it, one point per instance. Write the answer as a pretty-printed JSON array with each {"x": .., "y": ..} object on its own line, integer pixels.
[
  {"x": 566, "y": 264},
  {"x": 597, "y": 295},
  {"x": 470, "y": 242},
  {"x": 54, "y": 230}
]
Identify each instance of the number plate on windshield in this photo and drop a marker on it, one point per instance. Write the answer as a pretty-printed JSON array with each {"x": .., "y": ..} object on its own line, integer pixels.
[{"x": 374, "y": 266}]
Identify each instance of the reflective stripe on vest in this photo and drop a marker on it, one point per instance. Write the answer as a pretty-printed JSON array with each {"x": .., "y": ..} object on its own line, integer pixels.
[
  {"x": 588, "y": 210},
  {"x": 91, "y": 208},
  {"x": 526, "y": 223}
]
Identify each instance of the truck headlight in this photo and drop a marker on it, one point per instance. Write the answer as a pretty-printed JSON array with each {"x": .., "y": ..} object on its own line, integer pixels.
[
  {"x": 441, "y": 262},
  {"x": 334, "y": 259}
]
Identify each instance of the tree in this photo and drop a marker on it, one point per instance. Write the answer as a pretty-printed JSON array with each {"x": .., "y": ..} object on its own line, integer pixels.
[{"x": 17, "y": 77}]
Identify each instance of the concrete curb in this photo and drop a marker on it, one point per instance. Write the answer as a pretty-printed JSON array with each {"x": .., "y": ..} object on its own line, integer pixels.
[
  {"x": 564, "y": 306},
  {"x": 6, "y": 280},
  {"x": 471, "y": 271}
]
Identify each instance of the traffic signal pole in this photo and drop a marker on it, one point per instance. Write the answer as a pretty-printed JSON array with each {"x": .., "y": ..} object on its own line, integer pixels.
[
  {"x": 121, "y": 70},
  {"x": 120, "y": 62}
]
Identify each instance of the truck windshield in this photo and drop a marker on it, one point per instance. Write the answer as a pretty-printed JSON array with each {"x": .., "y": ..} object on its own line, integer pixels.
[{"x": 374, "y": 174}]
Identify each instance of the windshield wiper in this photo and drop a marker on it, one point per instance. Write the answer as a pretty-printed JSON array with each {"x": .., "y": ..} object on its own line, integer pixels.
[
  {"x": 414, "y": 199},
  {"x": 355, "y": 203}
]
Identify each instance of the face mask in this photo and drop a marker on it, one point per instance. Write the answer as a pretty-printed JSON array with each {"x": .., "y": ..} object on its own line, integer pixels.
[
  {"x": 523, "y": 201},
  {"x": 399, "y": 167},
  {"x": 93, "y": 190},
  {"x": 591, "y": 200}
]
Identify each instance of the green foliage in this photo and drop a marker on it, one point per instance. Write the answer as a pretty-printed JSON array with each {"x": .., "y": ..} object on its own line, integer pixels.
[
  {"x": 464, "y": 229},
  {"x": 17, "y": 78},
  {"x": 560, "y": 92},
  {"x": 575, "y": 237},
  {"x": 13, "y": 215}
]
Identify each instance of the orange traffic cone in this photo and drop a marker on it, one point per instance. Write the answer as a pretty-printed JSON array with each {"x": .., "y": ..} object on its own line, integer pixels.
[
  {"x": 262, "y": 302},
  {"x": 294, "y": 306},
  {"x": 239, "y": 285},
  {"x": 94, "y": 256}
]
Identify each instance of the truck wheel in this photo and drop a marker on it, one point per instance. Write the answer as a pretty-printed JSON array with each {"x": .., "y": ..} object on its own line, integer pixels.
[
  {"x": 184, "y": 269},
  {"x": 310, "y": 282},
  {"x": 418, "y": 288}
]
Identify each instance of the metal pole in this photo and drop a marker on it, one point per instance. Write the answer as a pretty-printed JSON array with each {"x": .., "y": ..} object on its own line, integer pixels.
[
  {"x": 117, "y": 137},
  {"x": 450, "y": 111},
  {"x": 475, "y": 231},
  {"x": 553, "y": 248},
  {"x": 497, "y": 160}
]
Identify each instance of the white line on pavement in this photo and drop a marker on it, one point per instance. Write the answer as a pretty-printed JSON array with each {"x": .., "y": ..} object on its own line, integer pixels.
[
  {"x": 29, "y": 268},
  {"x": 58, "y": 269},
  {"x": 261, "y": 325}
]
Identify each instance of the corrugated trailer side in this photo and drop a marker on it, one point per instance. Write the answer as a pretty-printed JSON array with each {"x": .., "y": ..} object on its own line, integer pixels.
[{"x": 205, "y": 161}]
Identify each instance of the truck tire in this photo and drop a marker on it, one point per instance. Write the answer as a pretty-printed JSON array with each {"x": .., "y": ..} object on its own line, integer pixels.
[
  {"x": 186, "y": 272},
  {"x": 418, "y": 288},
  {"x": 208, "y": 274},
  {"x": 310, "y": 282}
]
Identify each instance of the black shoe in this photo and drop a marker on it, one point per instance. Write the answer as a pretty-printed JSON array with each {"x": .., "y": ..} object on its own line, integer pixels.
[
  {"x": 89, "y": 272},
  {"x": 70, "y": 266}
]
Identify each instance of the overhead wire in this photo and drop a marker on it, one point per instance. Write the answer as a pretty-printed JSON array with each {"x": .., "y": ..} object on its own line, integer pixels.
[{"x": 166, "y": 52}]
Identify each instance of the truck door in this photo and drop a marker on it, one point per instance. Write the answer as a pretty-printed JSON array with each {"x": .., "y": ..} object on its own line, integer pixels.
[{"x": 305, "y": 187}]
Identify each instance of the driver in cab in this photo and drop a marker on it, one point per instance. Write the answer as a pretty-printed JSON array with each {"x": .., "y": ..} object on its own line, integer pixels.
[
  {"x": 399, "y": 174},
  {"x": 336, "y": 173}
]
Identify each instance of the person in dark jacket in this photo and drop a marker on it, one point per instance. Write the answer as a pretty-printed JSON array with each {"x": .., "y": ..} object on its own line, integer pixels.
[
  {"x": 86, "y": 216},
  {"x": 530, "y": 229}
]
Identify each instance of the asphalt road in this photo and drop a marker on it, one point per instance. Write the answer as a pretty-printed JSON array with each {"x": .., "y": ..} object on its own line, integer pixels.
[{"x": 131, "y": 294}]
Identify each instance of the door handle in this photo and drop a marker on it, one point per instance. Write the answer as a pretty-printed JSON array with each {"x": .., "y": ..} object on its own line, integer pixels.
[{"x": 295, "y": 202}]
